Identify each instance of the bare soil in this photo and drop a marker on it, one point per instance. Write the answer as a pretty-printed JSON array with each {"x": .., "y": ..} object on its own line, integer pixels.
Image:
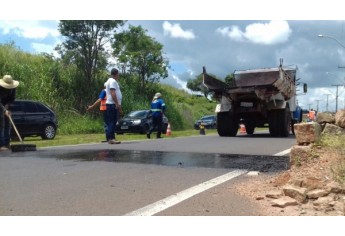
[{"x": 255, "y": 188}]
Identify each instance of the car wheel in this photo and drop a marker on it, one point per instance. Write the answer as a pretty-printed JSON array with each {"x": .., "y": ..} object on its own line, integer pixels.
[{"x": 49, "y": 132}]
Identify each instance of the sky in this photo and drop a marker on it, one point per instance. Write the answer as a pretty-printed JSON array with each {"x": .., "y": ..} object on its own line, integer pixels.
[{"x": 223, "y": 43}]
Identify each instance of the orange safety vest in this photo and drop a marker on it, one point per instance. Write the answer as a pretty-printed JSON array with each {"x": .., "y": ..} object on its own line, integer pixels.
[
  {"x": 103, "y": 106},
  {"x": 312, "y": 115}
]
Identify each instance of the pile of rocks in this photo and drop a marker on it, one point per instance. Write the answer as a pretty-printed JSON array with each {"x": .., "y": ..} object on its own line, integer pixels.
[
  {"x": 310, "y": 133},
  {"x": 322, "y": 195}
]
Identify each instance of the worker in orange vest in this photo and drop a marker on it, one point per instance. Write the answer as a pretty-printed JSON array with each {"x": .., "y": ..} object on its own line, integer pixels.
[
  {"x": 102, "y": 98},
  {"x": 311, "y": 115}
]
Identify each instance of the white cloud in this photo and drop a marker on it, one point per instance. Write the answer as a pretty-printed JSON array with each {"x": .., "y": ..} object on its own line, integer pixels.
[
  {"x": 47, "y": 48},
  {"x": 175, "y": 31},
  {"x": 180, "y": 82},
  {"x": 232, "y": 32},
  {"x": 273, "y": 32},
  {"x": 28, "y": 29}
]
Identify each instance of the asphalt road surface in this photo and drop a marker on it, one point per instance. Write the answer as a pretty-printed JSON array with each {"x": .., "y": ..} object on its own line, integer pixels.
[{"x": 179, "y": 176}]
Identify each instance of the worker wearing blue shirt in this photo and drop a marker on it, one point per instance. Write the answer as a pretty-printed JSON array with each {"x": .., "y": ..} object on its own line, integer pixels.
[{"x": 157, "y": 109}]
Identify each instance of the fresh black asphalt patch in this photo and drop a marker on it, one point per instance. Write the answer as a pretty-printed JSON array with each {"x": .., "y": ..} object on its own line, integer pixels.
[{"x": 260, "y": 163}]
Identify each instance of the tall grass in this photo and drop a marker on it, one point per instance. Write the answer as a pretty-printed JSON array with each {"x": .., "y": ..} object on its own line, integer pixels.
[{"x": 63, "y": 88}]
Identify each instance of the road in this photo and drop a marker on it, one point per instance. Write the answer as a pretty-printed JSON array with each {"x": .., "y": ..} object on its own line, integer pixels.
[{"x": 179, "y": 176}]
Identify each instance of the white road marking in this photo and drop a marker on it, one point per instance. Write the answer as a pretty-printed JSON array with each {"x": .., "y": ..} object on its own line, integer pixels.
[
  {"x": 283, "y": 152},
  {"x": 172, "y": 200}
]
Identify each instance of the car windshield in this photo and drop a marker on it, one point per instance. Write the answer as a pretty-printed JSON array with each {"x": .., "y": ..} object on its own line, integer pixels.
[
  {"x": 208, "y": 118},
  {"x": 137, "y": 114}
]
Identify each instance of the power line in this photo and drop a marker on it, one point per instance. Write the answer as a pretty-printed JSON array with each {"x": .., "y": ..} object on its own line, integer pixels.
[
  {"x": 327, "y": 101},
  {"x": 336, "y": 97},
  {"x": 317, "y": 105}
]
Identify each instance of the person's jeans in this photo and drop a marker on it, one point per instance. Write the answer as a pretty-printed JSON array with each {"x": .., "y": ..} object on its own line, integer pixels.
[
  {"x": 157, "y": 121},
  {"x": 5, "y": 131},
  {"x": 111, "y": 120},
  {"x": 104, "y": 113}
]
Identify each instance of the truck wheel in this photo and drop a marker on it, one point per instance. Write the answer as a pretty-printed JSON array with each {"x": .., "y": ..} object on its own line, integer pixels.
[
  {"x": 284, "y": 122},
  {"x": 293, "y": 122},
  {"x": 250, "y": 127},
  {"x": 273, "y": 123},
  {"x": 227, "y": 124}
]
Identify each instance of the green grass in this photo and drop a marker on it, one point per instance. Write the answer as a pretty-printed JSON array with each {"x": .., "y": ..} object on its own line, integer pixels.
[{"x": 72, "y": 139}]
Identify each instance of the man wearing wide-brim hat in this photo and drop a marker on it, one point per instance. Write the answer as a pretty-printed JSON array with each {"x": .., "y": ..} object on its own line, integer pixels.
[{"x": 7, "y": 95}]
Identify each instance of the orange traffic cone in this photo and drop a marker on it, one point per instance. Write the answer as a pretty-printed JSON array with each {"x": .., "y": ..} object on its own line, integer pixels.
[
  {"x": 243, "y": 129},
  {"x": 168, "y": 133}
]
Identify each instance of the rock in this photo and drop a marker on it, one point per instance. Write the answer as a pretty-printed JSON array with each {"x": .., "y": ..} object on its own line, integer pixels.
[
  {"x": 335, "y": 187},
  {"x": 325, "y": 117},
  {"x": 275, "y": 194},
  {"x": 307, "y": 133},
  {"x": 331, "y": 129},
  {"x": 340, "y": 118},
  {"x": 296, "y": 193},
  {"x": 322, "y": 201},
  {"x": 312, "y": 183},
  {"x": 316, "y": 193},
  {"x": 284, "y": 202}
]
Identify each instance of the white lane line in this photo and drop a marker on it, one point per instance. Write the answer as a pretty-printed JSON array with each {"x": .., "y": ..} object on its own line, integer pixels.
[
  {"x": 185, "y": 194},
  {"x": 283, "y": 152}
]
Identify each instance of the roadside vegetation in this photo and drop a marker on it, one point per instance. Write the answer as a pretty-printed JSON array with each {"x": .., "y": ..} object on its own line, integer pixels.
[
  {"x": 72, "y": 81},
  {"x": 334, "y": 145}
]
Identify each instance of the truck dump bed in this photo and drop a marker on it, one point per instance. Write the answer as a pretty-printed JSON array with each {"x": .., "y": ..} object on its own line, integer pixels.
[{"x": 263, "y": 82}]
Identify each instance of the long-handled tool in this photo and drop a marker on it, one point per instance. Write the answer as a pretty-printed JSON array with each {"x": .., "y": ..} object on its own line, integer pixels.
[{"x": 20, "y": 147}]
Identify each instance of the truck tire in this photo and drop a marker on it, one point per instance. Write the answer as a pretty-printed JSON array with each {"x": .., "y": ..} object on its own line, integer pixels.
[
  {"x": 273, "y": 123},
  {"x": 250, "y": 127},
  {"x": 284, "y": 119},
  {"x": 293, "y": 122},
  {"x": 227, "y": 125}
]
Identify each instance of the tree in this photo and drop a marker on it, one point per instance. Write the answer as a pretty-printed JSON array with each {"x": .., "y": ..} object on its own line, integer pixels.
[
  {"x": 230, "y": 80},
  {"x": 197, "y": 85},
  {"x": 141, "y": 54},
  {"x": 85, "y": 43}
]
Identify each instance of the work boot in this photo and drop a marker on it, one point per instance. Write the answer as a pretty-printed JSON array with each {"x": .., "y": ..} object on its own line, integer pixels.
[
  {"x": 4, "y": 149},
  {"x": 113, "y": 141}
]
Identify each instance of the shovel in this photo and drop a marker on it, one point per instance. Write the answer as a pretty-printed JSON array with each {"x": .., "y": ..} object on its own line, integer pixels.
[{"x": 20, "y": 147}]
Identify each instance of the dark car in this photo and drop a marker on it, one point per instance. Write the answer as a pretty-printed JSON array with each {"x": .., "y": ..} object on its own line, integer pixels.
[
  {"x": 209, "y": 122},
  {"x": 138, "y": 122},
  {"x": 33, "y": 118}
]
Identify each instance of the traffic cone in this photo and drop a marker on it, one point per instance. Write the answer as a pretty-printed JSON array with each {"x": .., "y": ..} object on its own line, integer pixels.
[
  {"x": 243, "y": 129},
  {"x": 168, "y": 133}
]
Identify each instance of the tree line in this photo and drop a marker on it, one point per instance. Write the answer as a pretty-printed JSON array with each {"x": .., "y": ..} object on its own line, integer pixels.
[{"x": 72, "y": 81}]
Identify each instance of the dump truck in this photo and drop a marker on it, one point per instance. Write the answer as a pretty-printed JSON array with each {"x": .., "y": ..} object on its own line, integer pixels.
[{"x": 256, "y": 98}]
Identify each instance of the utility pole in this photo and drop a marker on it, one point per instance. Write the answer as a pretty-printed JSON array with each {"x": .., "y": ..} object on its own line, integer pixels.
[
  {"x": 317, "y": 105},
  {"x": 327, "y": 102},
  {"x": 336, "y": 97}
]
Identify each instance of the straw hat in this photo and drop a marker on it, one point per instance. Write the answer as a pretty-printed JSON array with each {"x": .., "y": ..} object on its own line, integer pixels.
[
  {"x": 157, "y": 95},
  {"x": 8, "y": 83}
]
